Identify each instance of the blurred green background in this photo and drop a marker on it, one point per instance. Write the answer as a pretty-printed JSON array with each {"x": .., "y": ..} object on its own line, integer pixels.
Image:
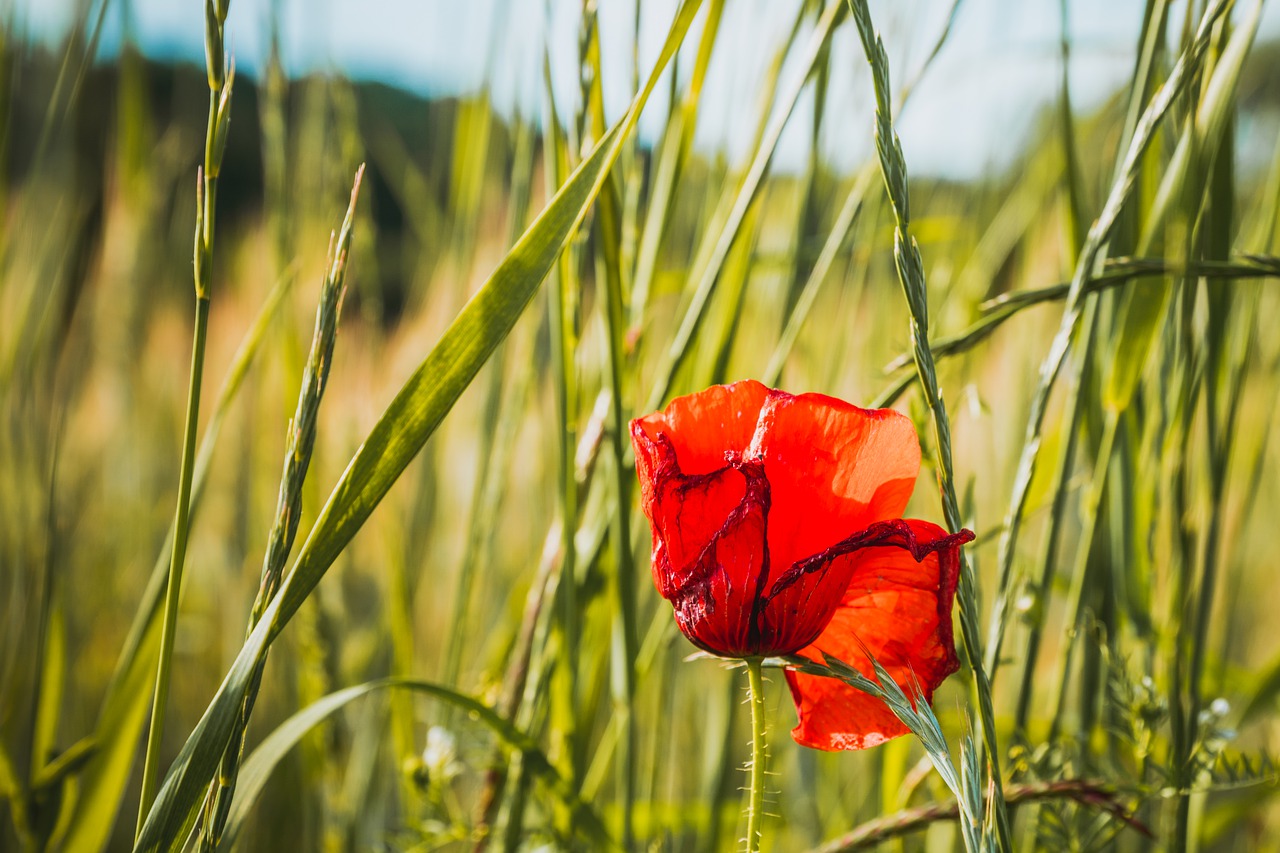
[{"x": 1148, "y": 501}]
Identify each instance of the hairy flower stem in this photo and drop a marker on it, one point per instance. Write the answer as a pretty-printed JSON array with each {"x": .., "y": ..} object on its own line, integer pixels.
[{"x": 755, "y": 796}]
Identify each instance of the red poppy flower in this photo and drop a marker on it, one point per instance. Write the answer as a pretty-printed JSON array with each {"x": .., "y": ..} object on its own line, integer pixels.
[{"x": 776, "y": 531}]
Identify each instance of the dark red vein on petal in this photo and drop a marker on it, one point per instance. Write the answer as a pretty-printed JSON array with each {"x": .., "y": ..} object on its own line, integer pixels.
[{"x": 895, "y": 532}]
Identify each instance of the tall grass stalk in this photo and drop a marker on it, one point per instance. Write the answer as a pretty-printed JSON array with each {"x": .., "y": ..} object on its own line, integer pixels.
[
  {"x": 1080, "y": 573},
  {"x": 677, "y": 142},
  {"x": 496, "y": 437},
  {"x": 911, "y": 276},
  {"x": 1091, "y": 253},
  {"x": 1075, "y": 222},
  {"x": 221, "y": 76},
  {"x": 562, "y": 313},
  {"x": 1047, "y": 556},
  {"x": 118, "y": 724},
  {"x": 720, "y": 240},
  {"x": 284, "y": 528},
  {"x": 609, "y": 228}
]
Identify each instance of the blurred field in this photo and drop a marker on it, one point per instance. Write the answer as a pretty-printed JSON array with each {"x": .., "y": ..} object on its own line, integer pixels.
[{"x": 1139, "y": 653}]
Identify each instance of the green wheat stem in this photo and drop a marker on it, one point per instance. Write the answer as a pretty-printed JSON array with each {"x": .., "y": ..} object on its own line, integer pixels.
[
  {"x": 808, "y": 294},
  {"x": 151, "y": 766},
  {"x": 284, "y": 528},
  {"x": 676, "y": 145},
  {"x": 495, "y": 438},
  {"x": 1095, "y": 242},
  {"x": 1186, "y": 388},
  {"x": 911, "y": 275},
  {"x": 624, "y": 643},
  {"x": 1076, "y": 227},
  {"x": 562, "y": 317},
  {"x": 708, "y": 271},
  {"x": 1117, "y": 272},
  {"x": 1080, "y": 571},
  {"x": 755, "y": 794},
  {"x": 519, "y": 673},
  {"x": 1057, "y": 516},
  {"x": 221, "y": 76},
  {"x": 1224, "y": 379},
  {"x": 610, "y": 269},
  {"x": 1219, "y": 449}
]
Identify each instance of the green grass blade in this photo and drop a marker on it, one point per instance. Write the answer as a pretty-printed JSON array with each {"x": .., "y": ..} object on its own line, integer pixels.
[
  {"x": 676, "y": 144},
  {"x": 1095, "y": 242},
  {"x": 681, "y": 344},
  {"x": 836, "y": 238},
  {"x": 123, "y": 711},
  {"x": 625, "y": 617},
  {"x": 258, "y": 767},
  {"x": 1145, "y": 302},
  {"x": 408, "y": 422},
  {"x": 405, "y": 426}
]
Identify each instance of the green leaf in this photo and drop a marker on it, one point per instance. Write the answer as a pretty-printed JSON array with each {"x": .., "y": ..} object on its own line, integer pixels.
[
  {"x": 1265, "y": 690},
  {"x": 728, "y": 221},
  {"x": 1146, "y": 301},
  {"x": 124, "y": 709},
  {"x": 394, "y": 441},
  {"x": 259, "y": 766}
]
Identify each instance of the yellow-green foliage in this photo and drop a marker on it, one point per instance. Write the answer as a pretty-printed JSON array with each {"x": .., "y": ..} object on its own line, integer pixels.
[{"x": 1094, "y": 337}]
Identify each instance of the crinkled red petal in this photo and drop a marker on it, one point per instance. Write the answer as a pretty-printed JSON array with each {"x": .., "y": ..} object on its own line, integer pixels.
[
  {"x": 717, "y": 598},
  {"x": 897, "y": 608},
  {"x": 832, "y": 467},
  {"x": 709, "y": 555},
  {"x": 702, "y": 427},
  {"x": 747, "y": 573}
]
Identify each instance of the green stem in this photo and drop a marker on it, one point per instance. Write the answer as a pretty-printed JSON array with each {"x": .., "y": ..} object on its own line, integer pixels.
[
  {"x": 1047, "y": 560},
  {"x": 150, "y": 767},
  {"x": 755, "y": 797},
  {"x": 624, "y": 644},
  {"x": 1080, "y": 573},
  {"x": 910, "y": 268}
]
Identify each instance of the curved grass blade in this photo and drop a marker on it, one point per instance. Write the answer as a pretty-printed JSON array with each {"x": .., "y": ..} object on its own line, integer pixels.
[
  {"x": 1095, "y": 244},
  {"x": 259, "y": 766},
  {"x": 1144, "y": 308},
  {"x": 395, "y": 440},
  {"x": 106, "y": 776}
]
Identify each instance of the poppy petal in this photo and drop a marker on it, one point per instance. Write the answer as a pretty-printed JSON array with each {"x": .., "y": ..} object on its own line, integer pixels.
[
  {"x": 832, "y": 467},
  {"x": 702, "y": 427},
  {"x": 709, "y": 558},
  {"x": 897, "y": 608},
  {"x": 800, "y": 602},
  {"x": 687, "y": 514}
]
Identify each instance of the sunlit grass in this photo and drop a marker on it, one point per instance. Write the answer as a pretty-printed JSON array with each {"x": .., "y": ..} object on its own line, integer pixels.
[{"x": 516, "y": 293}]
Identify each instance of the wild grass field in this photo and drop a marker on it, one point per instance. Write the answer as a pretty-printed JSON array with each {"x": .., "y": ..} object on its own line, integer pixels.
[{"x": 313, "y": 366}]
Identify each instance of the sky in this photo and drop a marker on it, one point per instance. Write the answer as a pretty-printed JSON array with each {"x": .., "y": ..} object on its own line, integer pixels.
[{"x": 996, "y": 74}]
